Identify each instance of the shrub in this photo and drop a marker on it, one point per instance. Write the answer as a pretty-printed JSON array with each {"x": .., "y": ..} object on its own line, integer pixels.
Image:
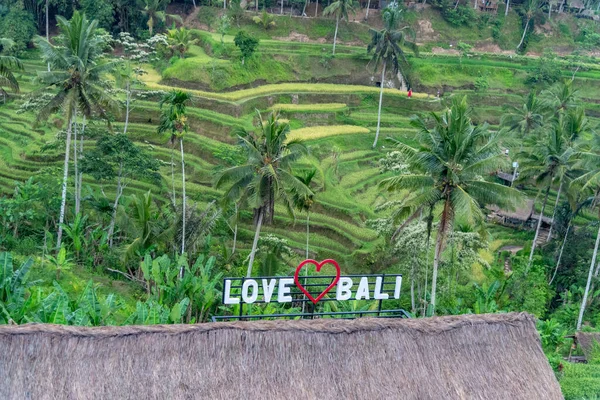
[
  {"x": 100, "y": 10},
  {"x": 547, "y": 71},
  {"x": 19, "y": 26},
  {"x": 246, "y": 43}
]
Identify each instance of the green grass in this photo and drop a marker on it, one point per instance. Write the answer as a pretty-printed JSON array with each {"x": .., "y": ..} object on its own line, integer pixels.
[
  {"x": 580, "y": 381},
  {"x": 318, "y": 132}
]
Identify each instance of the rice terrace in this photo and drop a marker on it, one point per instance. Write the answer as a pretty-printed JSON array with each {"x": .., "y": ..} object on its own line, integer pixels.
[{"x": 299, "y": 199}]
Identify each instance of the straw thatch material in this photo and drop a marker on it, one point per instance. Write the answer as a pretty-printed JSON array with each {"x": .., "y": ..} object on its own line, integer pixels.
[
  {"x": 523, "y": 213},
  {"x": 587, "y": 341},
  {"x": 458, "y": 357}
]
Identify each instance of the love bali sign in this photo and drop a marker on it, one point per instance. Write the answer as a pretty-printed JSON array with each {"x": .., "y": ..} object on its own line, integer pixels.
[{"x": 313, "y": 287}]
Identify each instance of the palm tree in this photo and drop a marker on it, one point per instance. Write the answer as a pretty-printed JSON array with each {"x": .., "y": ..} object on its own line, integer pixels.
[
  {"x": 267, "y": 172},
  {"x": 180, "y": 40},
  {"x": 173, "y": 119},
  {"x": 78, "y": 76},
  {"x": 7, "y": 65},
  {"x": 590, "y": 160},
  {"x": 339, "y": 8},
  {"x": 154, "y": 10},
  {"x": 550, "y": 158},
  {"x": 574, "y": 125},
  {"x": 304, "y": 201},
  {"x": 561, "y": 97},
  {"x": 447, "y": 170},
  {"x": 525, "y": 119},
  {"x": 529, "y": 9},
  {"x": 387, "y": 51}
]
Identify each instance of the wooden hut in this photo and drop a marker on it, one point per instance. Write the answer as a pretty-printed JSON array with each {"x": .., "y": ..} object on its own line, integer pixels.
[{"x": 457, "y": 357}]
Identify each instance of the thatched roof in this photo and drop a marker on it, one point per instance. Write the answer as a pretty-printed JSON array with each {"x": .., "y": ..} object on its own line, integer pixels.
[
  {"x": 587, "y": 341},
  {"x": 505, "y": 176},
  {"x": 522, "y": 213},
  {"x": 457, "y": 357}
]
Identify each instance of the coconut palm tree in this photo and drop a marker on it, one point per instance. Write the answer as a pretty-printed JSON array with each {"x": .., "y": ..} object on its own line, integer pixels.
[
  {"x": 387, "y": 51},
  {"x": 574, "y": 125},
  {"x": 304, "y": 201},
  {"x": 154, "y": 10},
  {"x": 561, "y": 97},
  {"x": 447, "y": 170},
  {"x": 77, "y": 75},
  {"x": 525, "y": 119},
  {"x": 180, "y": 40},
  {"x": 590, "y": 160},
  {"x": 339, "y": 8},
  {"x": 529, "y": 9},
  {"x": 550, "y": 158},
  {"x": 174, "y": 120},
  {"x": 7, "y": 66},
  {"x": 267, "y": 172}
]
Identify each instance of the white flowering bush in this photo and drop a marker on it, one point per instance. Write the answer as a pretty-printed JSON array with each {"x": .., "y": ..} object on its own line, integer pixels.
[{"x": 394, "y": 161}]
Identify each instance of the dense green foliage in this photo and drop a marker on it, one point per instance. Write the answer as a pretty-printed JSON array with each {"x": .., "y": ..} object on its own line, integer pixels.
[{"x": 278, "y": 162}]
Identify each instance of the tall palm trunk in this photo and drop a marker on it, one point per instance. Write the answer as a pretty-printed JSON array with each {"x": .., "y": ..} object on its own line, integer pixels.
[
  {"x": 444, "y": 223},
  {"x": 554, "y": 211},
  {"x": 589, "y": 281},
  {"x": 75, "y": 165},
  {"x": 183, "y": 195},
  {"x": 63, "y": 203},
  {"x": 79, "y": 174},
  {"x": 524, "y": 33},
  {"x": 337, "y": 23},
  {"x": 255, "y": 242},
  {"x": 256, "y": 2},
  {"x": 380, "y": 102},
  {"x": 507, "y": 8},
  {"x": 368, "y": 7},
  {"x": 307, "y": 231},
  {"x": 562, "y": 247},
  {"x": 127, "y": 104},
  {"x": 174, "y": 196},
  {"x": 235, "y": 229},
  {"x": 539, "y": 225},
  {"x": 316, "y": 8},
  {"x": 113, "y": 218},
  {"x": 47, "y": 27},
  {"x": 281, "y": 10}
]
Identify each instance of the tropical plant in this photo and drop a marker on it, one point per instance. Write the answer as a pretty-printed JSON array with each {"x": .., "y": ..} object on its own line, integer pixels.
[
  {"x": 387, "y": 51},
  {"x": 77, "y": 73},
  {"x": 266, "y": 173},
  {"x": 8, "y": 64},
  {"x": 590, "y": 180},
  {"x": 550, "y": 158},
  {"x": 525, "y": 119},
  {"x": 246, "y": 43},
  {"x": 561, "y": 97},
  {"x": 15, "y": 302},
  {"x": 180, "y": 40},
  {"x": 117, "y": 157},
  {"x": 61, "y": 262},
  {"x": 148, "y": 226},
  {"x": 340, "y": 9},
  {"x": 529, "y": 9},
  {"x": 265, "y": 20},
  {"x": 447, "y": 170},
  {"x": 173, "y": 119},
  {"x": 154, "y": 10},
  {"x": 304, "y": 201}
]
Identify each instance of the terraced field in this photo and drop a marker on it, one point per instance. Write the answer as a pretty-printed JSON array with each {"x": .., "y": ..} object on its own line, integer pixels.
[{"x": 336, "y": 121}]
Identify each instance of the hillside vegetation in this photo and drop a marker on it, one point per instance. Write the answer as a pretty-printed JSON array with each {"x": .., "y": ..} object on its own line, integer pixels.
[{"x": 164, "y": 189}]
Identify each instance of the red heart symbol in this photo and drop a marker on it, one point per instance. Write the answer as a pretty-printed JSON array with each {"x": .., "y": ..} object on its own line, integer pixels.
[{"x": 318, "y": 265}]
